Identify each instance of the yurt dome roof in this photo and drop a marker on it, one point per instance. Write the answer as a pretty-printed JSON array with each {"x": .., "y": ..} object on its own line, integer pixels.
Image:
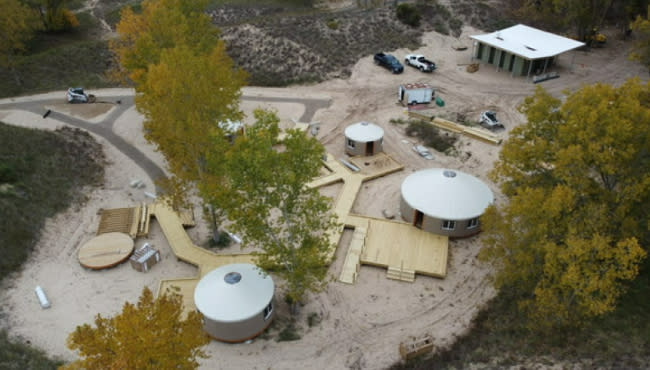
[
  {"x": 446, "y": 194},
  {"x": 233, "y": 292},
  {"x": 364, "y": 132}
]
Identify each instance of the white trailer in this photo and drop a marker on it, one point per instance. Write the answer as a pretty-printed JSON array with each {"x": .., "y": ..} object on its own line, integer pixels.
[{"x": 415, "y": 93}]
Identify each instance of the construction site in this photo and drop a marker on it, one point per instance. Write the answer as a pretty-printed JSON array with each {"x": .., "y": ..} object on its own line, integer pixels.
[{"x": 391, "y": 281}]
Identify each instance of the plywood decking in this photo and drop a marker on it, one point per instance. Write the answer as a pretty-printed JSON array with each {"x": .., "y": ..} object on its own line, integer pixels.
[
  {"x": 118, "y": 220},
  {"x": 132, "y": 221},
  {"x": 401, "y": 248},
  {"x": 105, "y": 250}
]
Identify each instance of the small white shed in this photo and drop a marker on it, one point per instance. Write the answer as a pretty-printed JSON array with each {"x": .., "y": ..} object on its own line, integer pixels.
[
  {"x": 364, "y": 138},
  {"x": 415, "y": 93}
]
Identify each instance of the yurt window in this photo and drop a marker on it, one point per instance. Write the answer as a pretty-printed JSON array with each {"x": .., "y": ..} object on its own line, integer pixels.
[
  {"x": 350, "y": 143},
  {"x": 448, "y": 225},
  {"x": 472, "y": 223},
  {"x": 268, "y": 311}
]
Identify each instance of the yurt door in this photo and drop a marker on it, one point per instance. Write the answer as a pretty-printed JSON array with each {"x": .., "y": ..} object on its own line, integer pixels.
[
  {"x": 418, "y": 217},
  {"x": 370, "y": 148}
]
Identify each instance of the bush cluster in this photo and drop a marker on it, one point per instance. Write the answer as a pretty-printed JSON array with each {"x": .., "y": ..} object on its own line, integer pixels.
[
  {"x": 431, "y": 136},
  {"x": 408, "y": 14}
]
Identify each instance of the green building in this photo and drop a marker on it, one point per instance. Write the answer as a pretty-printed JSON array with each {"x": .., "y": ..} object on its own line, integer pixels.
[{"x": 521, "y": 50}]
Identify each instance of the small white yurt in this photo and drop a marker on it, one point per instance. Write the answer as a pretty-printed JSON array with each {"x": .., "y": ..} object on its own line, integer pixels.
[
  {"x": 443, "y": 201},
  {"x": 236, "y": 302},
  {"x": 364, "y": 138}
]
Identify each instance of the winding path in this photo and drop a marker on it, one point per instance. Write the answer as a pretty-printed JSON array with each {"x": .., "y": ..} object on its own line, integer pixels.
[{"x": 104, "y": 128}]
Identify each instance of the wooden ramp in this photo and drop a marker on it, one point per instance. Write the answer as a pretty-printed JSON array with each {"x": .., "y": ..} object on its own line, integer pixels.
[{"x": 352, "y": 261}]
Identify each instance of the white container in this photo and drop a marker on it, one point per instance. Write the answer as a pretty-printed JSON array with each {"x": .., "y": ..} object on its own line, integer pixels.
[{"x": 42, "y": 298}]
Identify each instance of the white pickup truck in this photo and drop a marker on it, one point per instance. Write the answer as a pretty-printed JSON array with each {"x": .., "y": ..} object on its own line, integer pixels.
[{"x": 420, "y": 62}]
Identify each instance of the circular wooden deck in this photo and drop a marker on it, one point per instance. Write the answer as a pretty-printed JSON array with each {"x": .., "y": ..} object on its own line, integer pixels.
[{"x": 105, "y": 250}]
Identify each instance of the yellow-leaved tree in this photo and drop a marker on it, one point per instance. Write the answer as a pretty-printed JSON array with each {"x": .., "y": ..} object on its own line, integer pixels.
[
  {"x": 641, "y": 51},
  {"x": 18, "y": 24},
  {"x": 152, "y": 334},
  {"x": 161, "y": 25},
  {"x": 577, "y": 176}
]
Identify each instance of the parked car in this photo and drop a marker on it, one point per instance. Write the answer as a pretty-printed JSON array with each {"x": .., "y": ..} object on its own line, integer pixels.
[
  {"x": 390, "y": 62},
  {"x": 77, "y": 95},
  {"x": 489, "y": 119},
  {"x": 420, "y": 62},
  {"x": 423, "y": 151}
]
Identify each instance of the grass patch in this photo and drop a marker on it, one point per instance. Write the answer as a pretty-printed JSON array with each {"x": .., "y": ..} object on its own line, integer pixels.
[
  {"x": 81, "y": 63},
  {"x": 499, "y": 338},
  {"x": 289, "y": 333},
  {"x": 41, "y": 173},
  {"x": 17, "y": 355},
  {"x": 223, "y": 241},
  {"x": 431, "y": 136}
]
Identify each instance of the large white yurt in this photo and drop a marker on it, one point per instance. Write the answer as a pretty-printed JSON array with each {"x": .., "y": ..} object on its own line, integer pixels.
[
  {"x": 443, "y": 201},
  {"x": 364, "y": 138},
  {"x": 236, "y": 302}
]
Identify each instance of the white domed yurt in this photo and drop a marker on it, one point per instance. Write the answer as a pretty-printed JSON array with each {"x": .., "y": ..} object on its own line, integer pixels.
[
  {"x": 236, "y": 302},
  {"x": 364, "y": 138},
  {"x": 445, "y": 202}
]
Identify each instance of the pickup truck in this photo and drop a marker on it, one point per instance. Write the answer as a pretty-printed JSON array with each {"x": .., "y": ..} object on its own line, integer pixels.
[
  {"x": 420, "y": 62},
  {"x": 390, "y": 62}
]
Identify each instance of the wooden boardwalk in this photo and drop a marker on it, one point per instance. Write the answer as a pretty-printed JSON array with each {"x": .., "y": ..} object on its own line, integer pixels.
[
  {"x": 184, "y": 249},
  {"x": 401, "y": 248}
]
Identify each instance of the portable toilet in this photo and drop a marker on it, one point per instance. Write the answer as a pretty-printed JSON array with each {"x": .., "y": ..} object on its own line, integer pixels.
[{"x": 415, "y": 93}]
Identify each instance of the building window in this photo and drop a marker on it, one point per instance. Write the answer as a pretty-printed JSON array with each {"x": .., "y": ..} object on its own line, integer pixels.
[
  {"x": 350, "y": 143},
  {"x": 448, "y": 225},
  {"x": 268, "y": 311},
  {"x": 473, "y": 223}
]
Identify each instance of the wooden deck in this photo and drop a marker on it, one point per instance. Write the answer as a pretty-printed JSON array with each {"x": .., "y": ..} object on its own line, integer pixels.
[
  {"x": 401, "y": 246},
  {"x": 397, "y": 246},
  {"x": 105, "y": 250}
]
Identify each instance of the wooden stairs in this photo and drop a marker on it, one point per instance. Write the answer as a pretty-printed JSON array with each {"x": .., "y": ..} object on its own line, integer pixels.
[{"x": 400, "y": 274}]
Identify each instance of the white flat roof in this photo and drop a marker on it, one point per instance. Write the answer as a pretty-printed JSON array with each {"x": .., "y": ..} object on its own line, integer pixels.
[
  {"x": 233, "y": 292},
  {"x": 364, "y": 132},
  {"x": 446, "y": 194},
  {"x": 528, "y": 42}
]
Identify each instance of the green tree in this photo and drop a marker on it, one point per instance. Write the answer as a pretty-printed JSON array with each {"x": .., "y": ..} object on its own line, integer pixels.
[
  {"x": 18, "y": 24},
  {"x": 185, "y": 100},
  {"x": 266, "y": 199},
  {"x": 162, "y": 24},
  {"x": 577, "y": 176},
  {"x": 148, "y": 335}
]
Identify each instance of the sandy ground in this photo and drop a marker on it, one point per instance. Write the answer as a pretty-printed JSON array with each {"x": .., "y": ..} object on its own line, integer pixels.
[{"x": 362, "y": 324}]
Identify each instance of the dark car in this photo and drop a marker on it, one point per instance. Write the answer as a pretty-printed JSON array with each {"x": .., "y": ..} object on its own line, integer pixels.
[{"x": 388, "y": 61}]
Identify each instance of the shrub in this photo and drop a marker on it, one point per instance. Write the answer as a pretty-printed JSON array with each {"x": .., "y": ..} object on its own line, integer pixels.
[
  {"x": 431, "y": 136},
  {"x": 289, "y": 333},
  {"x": 408, "y": 14},
  {"x": 313, "y": 319},
  {"x": 333, "y": 24}
]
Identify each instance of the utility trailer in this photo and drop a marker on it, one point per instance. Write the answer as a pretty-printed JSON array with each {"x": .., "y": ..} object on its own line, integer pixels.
[{"x": 415, "y": 93}]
